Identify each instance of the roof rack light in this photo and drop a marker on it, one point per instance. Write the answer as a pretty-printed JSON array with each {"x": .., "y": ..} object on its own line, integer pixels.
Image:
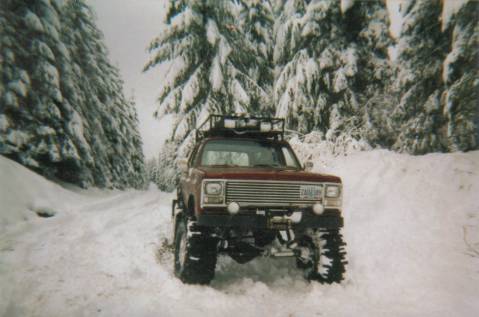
[
  {"x": 234, "y": 125},
  {"x": 229, "y": 124},
  {"x": 265, "y": 126}
]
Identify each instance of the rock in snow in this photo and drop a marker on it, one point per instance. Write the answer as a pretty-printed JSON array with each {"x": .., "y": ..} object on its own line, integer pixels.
[{"x": 411, "y": 224}]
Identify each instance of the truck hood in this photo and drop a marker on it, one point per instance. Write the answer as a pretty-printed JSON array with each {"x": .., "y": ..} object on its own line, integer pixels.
[{"x": 266, "y": 174}]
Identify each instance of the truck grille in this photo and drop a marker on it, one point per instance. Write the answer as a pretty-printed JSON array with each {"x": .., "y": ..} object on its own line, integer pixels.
[{"x": 266, "y": 193}]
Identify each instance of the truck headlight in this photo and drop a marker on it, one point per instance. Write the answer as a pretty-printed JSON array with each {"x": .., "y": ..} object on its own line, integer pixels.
[
  {"x": 332, "y": 191},
  {"x": 213, "y": 188}
]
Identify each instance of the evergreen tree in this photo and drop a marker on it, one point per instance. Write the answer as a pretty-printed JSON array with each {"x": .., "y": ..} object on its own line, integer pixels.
[
  {"x": 62, "y": 112},
  {"x": 210, "y": 64},
  {"x": 256, "y": 23},
  {"x": 166, "y": 175},
  {"x": 367, "y": 35},
  {"x": 217, "y": 64},
  {"x": 151, "y": 170},
  {"x": 332, "y": 59},
  {"x": 111, "y": 133},
  {"x": 461, "y": 76},
  {"x": 421, "y": 50},
  {"x": 302, "y": 81},
  {"x": 31, "y": 114},
  {"x": 287, "y": 29}
]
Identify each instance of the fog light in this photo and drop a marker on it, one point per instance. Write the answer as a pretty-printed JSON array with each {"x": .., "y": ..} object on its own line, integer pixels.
[
  {"x": 233, "y": 208},
  {"x": 318, "y": 208},
  {"x": 332, "y": 202}
]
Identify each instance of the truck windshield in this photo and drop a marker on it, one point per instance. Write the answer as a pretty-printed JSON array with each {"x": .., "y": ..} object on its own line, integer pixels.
[{"x": 247, "y": 153}]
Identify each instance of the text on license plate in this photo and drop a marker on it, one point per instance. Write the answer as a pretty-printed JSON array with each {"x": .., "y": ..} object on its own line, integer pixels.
[{"x": 310, "y": 192}]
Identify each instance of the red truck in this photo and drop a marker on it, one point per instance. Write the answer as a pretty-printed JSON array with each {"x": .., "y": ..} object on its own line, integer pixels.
[{"x": 243, "y": 192}]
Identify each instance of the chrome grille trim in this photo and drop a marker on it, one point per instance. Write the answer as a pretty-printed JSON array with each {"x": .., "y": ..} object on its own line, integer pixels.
[{"x": 267, "y": 193}]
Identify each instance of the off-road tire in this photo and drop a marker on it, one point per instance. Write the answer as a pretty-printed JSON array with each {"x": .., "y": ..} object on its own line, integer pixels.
[
  {"x": 199, "y": 253},
  {"x": 328, "y": 263}
]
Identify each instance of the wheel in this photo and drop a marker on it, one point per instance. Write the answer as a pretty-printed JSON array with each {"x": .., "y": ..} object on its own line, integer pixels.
[
  {"x": 195, "y": 253},
  {"x": 327, "y": 262}
]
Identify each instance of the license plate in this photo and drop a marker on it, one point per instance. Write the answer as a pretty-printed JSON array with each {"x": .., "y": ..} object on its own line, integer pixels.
[
  {"x": 310, "y": 192},
  {"x": 279, "y": 223}
]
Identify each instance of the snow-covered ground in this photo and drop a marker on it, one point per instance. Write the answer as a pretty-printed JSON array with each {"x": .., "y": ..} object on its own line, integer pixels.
[{"x": 412, "y": 228}]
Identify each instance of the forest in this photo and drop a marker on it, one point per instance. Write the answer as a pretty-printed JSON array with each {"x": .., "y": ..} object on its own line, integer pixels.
[
  {"x": 331, "y": 68},
  {"x": 63, "y": 111}
]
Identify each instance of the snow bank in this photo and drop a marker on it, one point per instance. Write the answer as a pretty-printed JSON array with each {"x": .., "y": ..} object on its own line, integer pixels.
[
  {"x": 411, "y": 224},
  {"x": 409, "y": 221},
  {"x": 313, "y": 146},
  {"x": 25, "y": 195}
]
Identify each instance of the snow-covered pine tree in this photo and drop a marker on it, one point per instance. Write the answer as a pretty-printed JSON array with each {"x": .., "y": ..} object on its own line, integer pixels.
[
  {"x": 298, "y": 30},
  {"x": 166, "y": 172},
  {"x": 368, "y": 38},
  {"x": 151, "y": 170},
  {"x": 32, "y": 113},
  {"x": 257, "y": 23},
  {"x": 331, "y": 58},
  {"x": 134, "y": 175},
  {"x": 209, "y": 63},
  {"x": 108, "y": 128},
  {"x": 461, "y": 76},
  {"x": 212, "y": 67},
  {"x": 286, "y": 31},
  {"x": 421, "y": 50},
  {"x": 61, "y": 114}
]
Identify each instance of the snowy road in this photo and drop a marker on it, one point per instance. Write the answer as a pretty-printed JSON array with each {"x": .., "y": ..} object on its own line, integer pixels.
[{"x": 412, "y": 227}]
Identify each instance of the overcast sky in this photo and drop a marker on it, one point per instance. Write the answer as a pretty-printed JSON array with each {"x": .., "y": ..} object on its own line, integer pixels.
[{"x": 129, "y": 26}]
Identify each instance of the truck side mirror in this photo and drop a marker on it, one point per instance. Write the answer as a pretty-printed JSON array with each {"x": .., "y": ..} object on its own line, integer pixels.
[
  {"x": 308, "y": 166},
  {"x": 183, "y": 165}
]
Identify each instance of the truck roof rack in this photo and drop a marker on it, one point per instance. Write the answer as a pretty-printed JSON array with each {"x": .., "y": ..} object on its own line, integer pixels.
[{"x": 241, "y": 126}]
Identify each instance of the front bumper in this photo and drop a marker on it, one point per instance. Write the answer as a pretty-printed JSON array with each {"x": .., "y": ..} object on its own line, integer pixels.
[{"x": 331, "y": 219}]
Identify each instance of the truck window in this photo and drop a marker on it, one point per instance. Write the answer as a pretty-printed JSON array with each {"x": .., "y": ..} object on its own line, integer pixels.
[{"x": 246, "y": 153}]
